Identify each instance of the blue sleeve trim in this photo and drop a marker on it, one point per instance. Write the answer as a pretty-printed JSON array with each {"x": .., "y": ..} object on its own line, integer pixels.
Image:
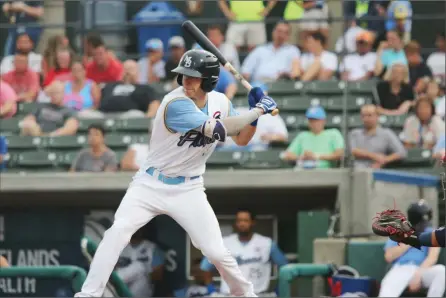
[
  {"x": 182, "y": 115},
  {"x": 277, "y": 256}
]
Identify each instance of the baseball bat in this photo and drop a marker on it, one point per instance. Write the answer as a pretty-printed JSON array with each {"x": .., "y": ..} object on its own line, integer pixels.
[{"x": 206, "y": 44}]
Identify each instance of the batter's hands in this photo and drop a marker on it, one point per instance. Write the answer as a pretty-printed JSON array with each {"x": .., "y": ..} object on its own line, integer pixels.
[
  {"x": 267, "y": 104},
  {"x": 254, "y": 96}
]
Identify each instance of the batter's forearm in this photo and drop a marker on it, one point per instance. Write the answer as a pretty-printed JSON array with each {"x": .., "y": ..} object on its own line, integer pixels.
[{"x": 235, "y": 124}]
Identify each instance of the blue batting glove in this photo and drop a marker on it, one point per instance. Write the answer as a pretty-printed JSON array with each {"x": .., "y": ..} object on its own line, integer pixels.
[
  {"x": 267, "y": 104},
  {"x": 254, "y": 96}
]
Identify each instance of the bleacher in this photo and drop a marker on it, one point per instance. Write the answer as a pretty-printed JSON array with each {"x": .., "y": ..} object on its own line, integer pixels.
[{"x": 337, "y": 97}]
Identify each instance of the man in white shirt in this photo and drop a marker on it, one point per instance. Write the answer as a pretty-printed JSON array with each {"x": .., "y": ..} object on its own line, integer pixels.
[
  {"x": 318, "y": 64},
  {"x": 24, "y": 45},
  {"x": 275, "y": 60},
  {"x": 152, "y": 67},
  {"x": 228, "y": 50},
  {"x": 437, "y": 60},
  {"x": 359, "y": 66}
]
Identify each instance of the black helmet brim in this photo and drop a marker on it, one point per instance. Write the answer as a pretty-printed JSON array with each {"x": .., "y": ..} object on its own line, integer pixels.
[{"x": 187, "y": 72}]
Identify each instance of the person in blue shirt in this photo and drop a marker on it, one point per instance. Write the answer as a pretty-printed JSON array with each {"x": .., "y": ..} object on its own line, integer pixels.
[
  {"x": 254, "y": 253},
  {"x": 414, "y": 268},
  {"x": 226, "y": 83},
  {"x": 3, "y": 152}
]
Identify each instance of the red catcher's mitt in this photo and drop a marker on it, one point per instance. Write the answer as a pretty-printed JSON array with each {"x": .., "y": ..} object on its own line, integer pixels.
[{"x": 392, "y": 223}]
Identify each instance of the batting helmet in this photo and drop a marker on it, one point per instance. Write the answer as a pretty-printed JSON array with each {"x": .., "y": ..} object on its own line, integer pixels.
[
  {"x": 199, "y": 64},
  {"x": 419, "y": 212}
]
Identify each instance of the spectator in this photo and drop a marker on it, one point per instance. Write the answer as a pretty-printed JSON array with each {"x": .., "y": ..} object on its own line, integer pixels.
[
  {"x": 437, "y": 60},
  {"x": 399, "y": 18},
  {"x": 97, "y": 157},
  {"x": 3, "y": 153},
  {"x": 435, "y": 95},
  {"x": 439, "y": 150},
  {"x": 314, "y": 19},
  {"x": 127, "y": 97},
  {"x": 23, "y": 80},
  {"x": 226, "y": 83},
  {"x": 317, "y": 64},
  {"x": 254, "y": 253},
  {"x": 423, "y": 129},
  {"x": 274, "y": 60},
  {"x": 51, "y": 119},
  {"x": 3, "y": 262},
  {"x": 151, "y": 67},
  {"x": 216, "y": 35},
  {"x": 103, "y": 68},
  {"x": 395, "y": 95},
  {"x": 359, "y": 66},
  {"x": 62, "y": 68},
  {"x": 419, "y": 72},
  {"x": 389, "y": 52},
  {"x": 319, "y": 147},
  {"x": 90, "y": 41},
  {"x": 22, "y": 14},
  {"x": 8, "y": 100},
  {"x": 366, "y": 14},
  {"x": 135, "y": 157},
  {"x": 177, "y": 50},
  {"x": 140, "y": 263},
  {"x": 80, "y": 92},
  {"x": 50, "y": 53},
  {"x": 413, "y": 268},
  {"x": 347, "y": 42},
  {"x": 239, "y": 32},
  {"x": 374, "y": 146},
  {"x": 24, "y": 46}
]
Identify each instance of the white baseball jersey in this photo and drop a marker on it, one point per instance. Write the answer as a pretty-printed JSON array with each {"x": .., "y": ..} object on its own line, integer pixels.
[
  {"x": 183, "y": 154},
  {"x": 253, "y": 259}
]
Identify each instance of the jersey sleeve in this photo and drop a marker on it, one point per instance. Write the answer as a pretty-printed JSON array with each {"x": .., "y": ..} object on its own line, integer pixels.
[
  {"x": 205, "y": 265},
  {"x": 158, "y": 257},
  {"x": 182, "y": 115},
  {"x": 277, "y": 256},
  {"x": 232, "y": 111}
]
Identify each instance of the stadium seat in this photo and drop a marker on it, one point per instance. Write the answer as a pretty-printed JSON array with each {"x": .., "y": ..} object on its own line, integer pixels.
[
  {"x": 298, "y": 103},
  {"x": 386, "y": 121},
  {"x": 354, "y": 103},
  {"x": 416, "y": 158},
  {"x": 264, "y": 160},
  {"x": 284, "y": 87},
  {"x": 134, "y": 125},
  {"x": 362, "y": 86},
  {"x": 10, "y": 126},
  {"x": 65, "y": 159},
  {"x": 398, "y": 121},
  {"x": 24, "y": 143},
  {"x": 240, "y": 101},
  {"x": 140, "y": 138},
  {"x": 37, "y": 159},
  {"x": 225, "y": 159},
  {"x": 324, "y": 87},
  {"x": 118, "y": 140},
  {"x": 334, "y": 121},
  {"x": 294, "y": 121},
  {"x": 67, "y": 142},
  {"x": 24, "y": 108},
  {"x": 355, "y": 121},
  {"x": 108, "y": 124}
]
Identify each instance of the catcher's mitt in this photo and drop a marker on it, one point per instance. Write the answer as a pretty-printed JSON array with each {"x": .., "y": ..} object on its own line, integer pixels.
[{"x": 393, "y": 223}]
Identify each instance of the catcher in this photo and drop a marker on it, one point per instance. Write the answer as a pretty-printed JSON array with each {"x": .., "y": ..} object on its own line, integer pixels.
[{"x": 394, "y": 224}]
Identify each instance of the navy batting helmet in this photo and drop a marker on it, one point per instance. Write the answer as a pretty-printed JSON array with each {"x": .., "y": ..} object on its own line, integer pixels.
[
  {"x": 419, "y": 212},
  {"x": 199, "y": 64}
]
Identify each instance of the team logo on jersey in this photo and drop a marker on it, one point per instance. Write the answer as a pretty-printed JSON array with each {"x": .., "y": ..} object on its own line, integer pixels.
[
  {"x": 217, "y": 115},
  {"x": 242, "y": 261},
  {"x": 187, "y": 61},
  {"x": 196, "y": 139}
]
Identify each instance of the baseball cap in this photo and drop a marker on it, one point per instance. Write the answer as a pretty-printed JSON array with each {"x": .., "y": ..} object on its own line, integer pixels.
[
  {"x": 401, "y": 11},
  {"x": 316, "y": 113},
  {"x": 365, "y": 36},
  {"x": 154, "y": 44},
  {"x": 176, "y": 42}
]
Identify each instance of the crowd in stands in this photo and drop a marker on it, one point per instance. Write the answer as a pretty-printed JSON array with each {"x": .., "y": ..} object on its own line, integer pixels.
[{"x": 96, "y": 85}]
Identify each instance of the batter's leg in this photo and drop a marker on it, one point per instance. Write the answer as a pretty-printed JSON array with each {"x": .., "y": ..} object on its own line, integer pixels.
[
  {"x": 433, "y": 278},
  {"x": 193, "y": 212},
  {"x": 133, "y": 213},
  {"x": 396, "y": 280}
]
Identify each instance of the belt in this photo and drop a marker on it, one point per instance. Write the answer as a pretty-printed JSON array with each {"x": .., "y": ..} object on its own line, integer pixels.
[{"x": 169, "y": 180}]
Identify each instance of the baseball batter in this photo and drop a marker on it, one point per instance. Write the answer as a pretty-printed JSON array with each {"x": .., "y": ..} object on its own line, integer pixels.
[{"x": 190, "y": 121}]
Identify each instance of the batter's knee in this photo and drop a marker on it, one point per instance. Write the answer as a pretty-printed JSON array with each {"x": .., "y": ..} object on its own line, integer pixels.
[
  {"x": 439, "y": 270},
  {"x": 121, "y": 230},
  {"x": 217, "y": 255}
]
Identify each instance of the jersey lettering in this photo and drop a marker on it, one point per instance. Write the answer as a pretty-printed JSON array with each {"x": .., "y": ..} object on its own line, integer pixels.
[
  {"x": 196, "y": 138},
  {"x": 242, "y": 261}
]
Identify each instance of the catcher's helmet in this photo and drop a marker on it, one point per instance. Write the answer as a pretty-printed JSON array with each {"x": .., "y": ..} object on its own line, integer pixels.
[
  {"x": 199, "y": 64},
  {"x": 419, "y": 212}
]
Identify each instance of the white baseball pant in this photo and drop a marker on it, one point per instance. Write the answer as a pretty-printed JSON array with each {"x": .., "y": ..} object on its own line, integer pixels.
[
  {"x": 399, "y": 277},
  {"x": 187, "y": 204}
]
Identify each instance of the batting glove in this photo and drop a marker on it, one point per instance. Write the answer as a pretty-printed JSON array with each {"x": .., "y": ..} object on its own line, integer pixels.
[
  {"x": 255, "y": 95},
  {"x": 267, "y": 104}
]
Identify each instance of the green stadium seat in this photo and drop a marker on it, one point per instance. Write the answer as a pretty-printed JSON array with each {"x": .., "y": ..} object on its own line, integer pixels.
[
  {"x": 362, "y": 87},
  {"x": 118, "y": 140},
  {"x": 24, "y": 143},
  {"x": 143, "y": 138},
  {"x": 299, "y": 103},
  {"x": 355, "y": 121},
  {"x": 294, "y": 121},
  {"x": 120, "y": 154},
  {"x": 10, "y": 126},
  {"x": 264, "y": 159},
  {"x": 354, "y": 102},
  {"x": 416, "y": 158},
  {"x": 334, "y": 121},
  {"x": 386, "y": 121},
  {"x": 26, "y": 108},
  {"x": 134, "y": 125},
  {"x": 284, "y": 87},
  {"x": 324, "y": 87},
  {"x": 398, "y": 121},
  {"x": 37, "y": 159},
  {"x": 67, "y": 142},
  {"x": 108, "y": 124},
  {"x": 240, "y": 101},
  {"x": 225, "y": 159}
]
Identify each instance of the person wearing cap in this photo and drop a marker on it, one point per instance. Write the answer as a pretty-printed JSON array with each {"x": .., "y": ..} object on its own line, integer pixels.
[
  {"x": 419, "y": 73},
  {"x": 359, "y": 66},
  {"x": 399, "y": 17},
  {"x": 151, "y": 68},
  {"x": 176, "y": 50},
  {"x": 318, "y": 147}
]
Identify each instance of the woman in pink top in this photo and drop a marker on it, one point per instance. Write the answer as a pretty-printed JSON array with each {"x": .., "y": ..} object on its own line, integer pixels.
[{"x": 8, "y": 100}]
